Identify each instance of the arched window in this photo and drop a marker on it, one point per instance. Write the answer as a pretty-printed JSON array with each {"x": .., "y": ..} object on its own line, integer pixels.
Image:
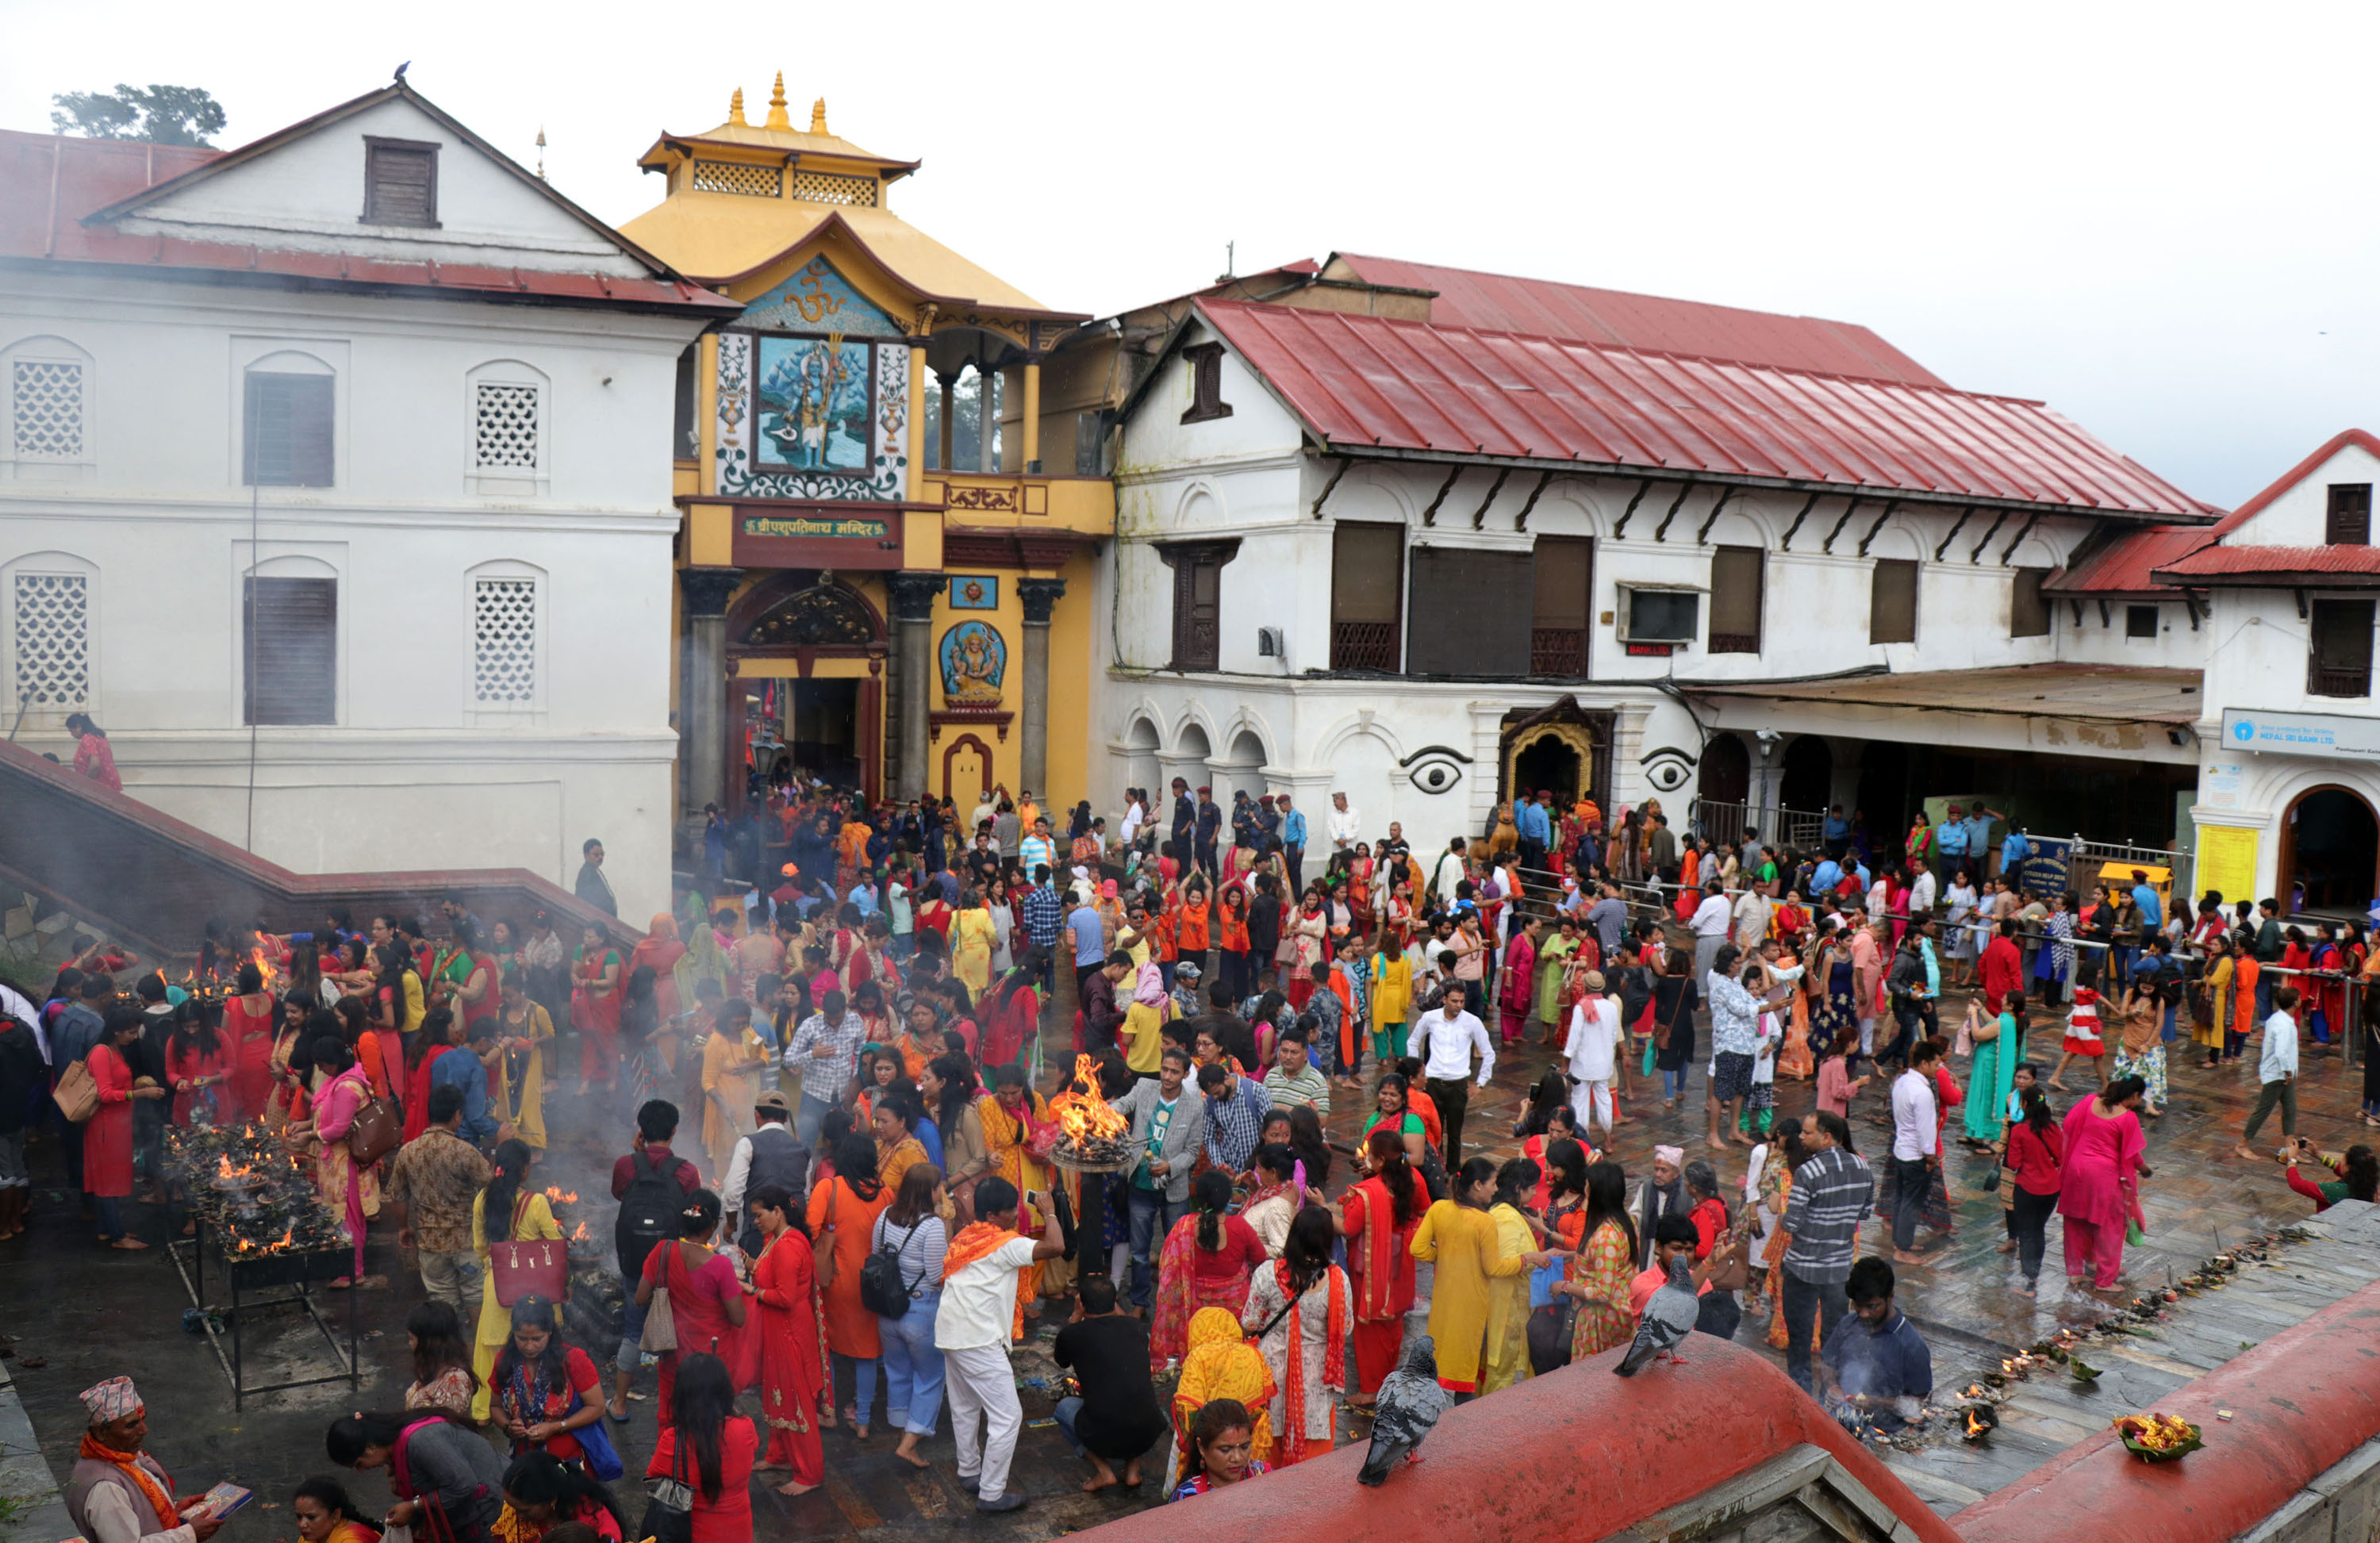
[
  {"x": 507, "y": 640},
  {"x": 51, "y": 632},
  {"x": 290, "y": 422},
  {"x": 48, "y": 385},
  {"x": 289, "y": 641},
  {"x": 508, "y": 402}
]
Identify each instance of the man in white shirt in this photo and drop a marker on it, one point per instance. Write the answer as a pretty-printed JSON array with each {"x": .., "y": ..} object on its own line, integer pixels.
[
  {"x": 1751, "y": 914},
  {"x": 971, "y": 1329},
  {"x": 1450, "y": 874},
  {"x": 1709, "y": 927},
  {"x": 1445, "y": 1039},
  {"x": 1133, "y": 818},
  {"x": 2277, "y": 1069},
  {"x": 1921, "y": 892},
  {"x": 1343, "y": 825},
  {"x": 1916, "y": 1146},
  {"x": 1593, "y": 1050}
]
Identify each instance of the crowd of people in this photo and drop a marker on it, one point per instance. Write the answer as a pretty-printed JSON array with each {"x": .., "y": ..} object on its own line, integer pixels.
[{"x": 843, "y": 1103}]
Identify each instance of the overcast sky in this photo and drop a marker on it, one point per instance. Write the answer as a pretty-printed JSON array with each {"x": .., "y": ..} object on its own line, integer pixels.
[{"x": 2156, "y": 218}]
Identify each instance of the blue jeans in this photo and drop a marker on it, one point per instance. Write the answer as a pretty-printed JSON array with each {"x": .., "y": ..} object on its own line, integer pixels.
[
  {"x": 809, "y": 1120},
  {"x": 1153, "y": 1217},
  {"x": 110, "y": 1216},
  {"x": 863, "y": 1386},
  {"x": 632, "y": 1333},
  {"x": 913, "y": 1368},
  {"x": 1068, "y": 1411},
  {"x": 1674, "y": 1082}
]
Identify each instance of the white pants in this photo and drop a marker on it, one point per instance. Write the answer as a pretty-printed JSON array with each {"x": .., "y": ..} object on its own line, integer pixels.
[
  {"x": 1867, "y": 1036},
  {"x": 983, "y": 1393},
  {"x": 1591, "y": 1102}
]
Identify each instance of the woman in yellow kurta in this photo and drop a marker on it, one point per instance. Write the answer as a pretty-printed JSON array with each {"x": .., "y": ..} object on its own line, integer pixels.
[
  {"x": 523, "y": 1215},
  {"x": 1461, "y": 1238},
  {"x": 525, "y": 1031},
  {"x": 732, "y": 1059},
  {"x": 973, "y": 937},
  {"x": 1508, "y": 1296},
  {"x": 2217, "y": 982},
  {"x": 1391, "y": 1001},
  {"x": 1221, "y": 1362}
]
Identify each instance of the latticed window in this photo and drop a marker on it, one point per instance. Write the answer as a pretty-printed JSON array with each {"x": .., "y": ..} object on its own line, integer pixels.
[
  {"x": 504, "y": 642},
  {"x": 733, "y": 176},
  {"x": 504, "y": 431},
  {"x": 46, "y": 409},
  {"x": 827, "y": 187},
  {"x": 53, "y": 642}
]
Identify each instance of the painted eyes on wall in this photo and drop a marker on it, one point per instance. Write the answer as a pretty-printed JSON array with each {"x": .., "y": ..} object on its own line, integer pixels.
[
  {"x": 1435, "y": 768},
  {"x": 1668, "y": 768}
]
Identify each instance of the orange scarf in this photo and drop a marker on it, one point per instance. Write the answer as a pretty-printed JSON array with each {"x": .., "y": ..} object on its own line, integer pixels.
[
  {"x": 159, "y": 1500},
  {"x": 975, "y": 1241},
  {"x": 1334, "y": 1352}
]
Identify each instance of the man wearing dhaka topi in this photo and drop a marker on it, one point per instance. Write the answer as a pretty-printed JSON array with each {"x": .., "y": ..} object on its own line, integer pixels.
[{"x": 119, "y": 1493}]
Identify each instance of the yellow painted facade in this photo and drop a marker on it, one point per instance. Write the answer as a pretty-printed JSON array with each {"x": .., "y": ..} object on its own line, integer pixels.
[{"x": 809, "y": 492}]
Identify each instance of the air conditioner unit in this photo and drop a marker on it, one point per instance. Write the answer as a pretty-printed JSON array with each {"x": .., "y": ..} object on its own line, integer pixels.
[
  {"x": 1659, "y": 614},
  {"x": 1271, "y": 644}
]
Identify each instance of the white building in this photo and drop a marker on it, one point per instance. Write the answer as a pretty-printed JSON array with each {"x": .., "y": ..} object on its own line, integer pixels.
[
  {"x": 1425, "y": 536},
  {"x": 336, "y": 488}
]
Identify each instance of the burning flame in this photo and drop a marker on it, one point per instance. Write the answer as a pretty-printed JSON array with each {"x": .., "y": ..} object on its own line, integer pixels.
[
  {"x": 580, "y": 1233},
  {"x": 223, "y": 1170},
  {"x": 561, "y": 1198},
  {"x": 2009, "y": 1368},
  {"x": 1975, "y": 1425},
  {"x": 264, "y": 967},
  {"x": 1086, "y": 1117}
]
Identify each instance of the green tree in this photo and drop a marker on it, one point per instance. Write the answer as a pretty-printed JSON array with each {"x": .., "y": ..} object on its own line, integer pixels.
[{"x": 160, "y": 115}]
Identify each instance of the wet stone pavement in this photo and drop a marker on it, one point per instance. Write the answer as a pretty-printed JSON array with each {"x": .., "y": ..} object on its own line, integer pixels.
[{"x": 84, "y": 1313}]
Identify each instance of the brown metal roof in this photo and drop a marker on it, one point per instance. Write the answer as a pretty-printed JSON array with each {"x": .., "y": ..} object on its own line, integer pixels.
[{"x": 2098, "y": 692}]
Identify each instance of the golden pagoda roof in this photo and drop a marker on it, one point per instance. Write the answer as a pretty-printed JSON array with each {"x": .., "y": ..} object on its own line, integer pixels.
[{"x": 777, "y": 133}]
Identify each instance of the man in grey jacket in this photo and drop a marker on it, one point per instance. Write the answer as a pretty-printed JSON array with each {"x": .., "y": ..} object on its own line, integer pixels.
[{"x": 1169, "y": 1129}]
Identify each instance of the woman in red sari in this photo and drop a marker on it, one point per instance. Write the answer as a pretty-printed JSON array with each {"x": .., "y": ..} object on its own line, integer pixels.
[
  {"x": 198, "y": 1064},
  {"x": 1377, "y": 1217},
  {"x": 107, "y": 1136},
  {"x": 1208, "y": 1261},
  {"x": 595, "y": 977},
  {"x": 436, "y": 1040},
  {"x": 705, "y": 1300},
  {"x": 248, "y": 1045},
  {"x": 792, "y": 1338}
]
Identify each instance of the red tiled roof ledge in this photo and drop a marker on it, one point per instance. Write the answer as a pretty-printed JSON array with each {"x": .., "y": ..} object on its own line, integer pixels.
[
  {"x": 1418, "y": 390},
  {"x": 2273, "y": 564}
]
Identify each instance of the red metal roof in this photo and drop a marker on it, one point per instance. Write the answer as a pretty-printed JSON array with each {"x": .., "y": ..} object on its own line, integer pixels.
[
  {"x": 2128, "y": 564},
  {"x": 1365, "y": 383},
  {"x": 2216, "y": 562},
  {"x": 1540, "y": 308},
  {"x": 2295, "y": 475},
  {"x": 49, "y": 182}
]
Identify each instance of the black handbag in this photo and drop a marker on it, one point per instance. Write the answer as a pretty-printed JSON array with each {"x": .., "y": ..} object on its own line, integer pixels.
[{"x": 669, "y": 1506}]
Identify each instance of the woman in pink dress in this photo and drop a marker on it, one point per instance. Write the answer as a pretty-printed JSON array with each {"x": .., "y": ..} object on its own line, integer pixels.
[
  {"x": 344, "y": 1089},
  {"x": 2100, "y": 1191}
]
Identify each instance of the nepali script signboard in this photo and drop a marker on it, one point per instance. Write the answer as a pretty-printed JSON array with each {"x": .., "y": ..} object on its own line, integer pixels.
[
  {"x": 799, "y": 538},
  {"x": 2330, "y": 735}
]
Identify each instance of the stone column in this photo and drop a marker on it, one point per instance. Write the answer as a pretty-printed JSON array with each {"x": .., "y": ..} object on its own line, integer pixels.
[
  {"x": 913, "y": 613},
  {"x": 1038, "y": 596},
  {"x": 703, "y": 710},
  {"x": 987, "y": 408},
  {"x": 1032, "y": 462},
  {"x": 942, "y": 449}
]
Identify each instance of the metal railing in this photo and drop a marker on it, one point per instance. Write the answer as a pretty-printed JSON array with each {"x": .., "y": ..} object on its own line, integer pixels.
[
  {"x": 1363, "y": 646},
  {"x": 1724, "y": 824}
]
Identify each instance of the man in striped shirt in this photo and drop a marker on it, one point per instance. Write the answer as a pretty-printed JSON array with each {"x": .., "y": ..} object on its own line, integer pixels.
[{"x": 1833, "y": 1192}]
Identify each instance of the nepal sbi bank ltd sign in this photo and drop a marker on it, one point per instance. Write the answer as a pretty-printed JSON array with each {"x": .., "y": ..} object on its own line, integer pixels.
[{"x": 2301, "y": 734}]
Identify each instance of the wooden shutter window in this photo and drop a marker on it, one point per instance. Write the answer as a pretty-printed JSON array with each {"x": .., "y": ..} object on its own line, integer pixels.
[
  {"x": 290, "y": 662},
  {"x": 1197, "y": 602},
  {"x": 400, "y": 182},
  {"x": 2349, "y": 522},
  {"x": 2028, "y": 611},
  {"x": 1367, "y": 588},
  {"x": 1735, "y": 602},
  {"x": 1471, "y": 613},
  {"x": 1206, "y": 361},
  {"x": 2140, "y": 621},
  {"x": 1559, "y": 623},
  {"x": 2340, "y": 664},
  {"x": 289, "y": 422},
  {"x": 1892, "y": 601}
]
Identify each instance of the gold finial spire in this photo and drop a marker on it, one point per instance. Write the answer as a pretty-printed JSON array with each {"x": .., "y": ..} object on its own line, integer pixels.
[
  {"x": 817, "y": 117},
  {"x": 777, "y": 118},
  {"x": 735, "y": 110}
]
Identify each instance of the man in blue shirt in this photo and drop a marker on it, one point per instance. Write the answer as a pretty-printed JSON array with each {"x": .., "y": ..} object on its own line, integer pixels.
[
  {"x": 1090, "y": 939},
  {"x": 1536, "y": 829},
  {"x": 1951, "y": 842},
  {"x": 1824, "y": 877},
  {"x": 1875, "y": 1363},
  {"x": 1293, "y": 840},
  {"x": 1838, "y": 830},
  {"x": 2144, "y": 895},
  {"x": 2015, "y": 847},
  {"x": 1979, "y": 833}
]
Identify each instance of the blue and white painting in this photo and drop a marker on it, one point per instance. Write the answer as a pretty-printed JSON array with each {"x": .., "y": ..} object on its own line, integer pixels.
[{"x": 813, "y": 404}]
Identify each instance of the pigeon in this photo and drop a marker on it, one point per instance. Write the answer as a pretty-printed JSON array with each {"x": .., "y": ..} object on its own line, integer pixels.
[
  {"x": 1668, "y": 1318},
  {"x": 1408, "y": 1409}
]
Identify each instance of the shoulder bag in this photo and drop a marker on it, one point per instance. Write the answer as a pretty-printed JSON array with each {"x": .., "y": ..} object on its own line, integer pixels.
[
  {"x": 823, "y": 1255},
  {"x": 660, "y": 1323},
  {"x": 78, "y": 1092},
  {"x": 1732, "y": 1266},
  {"x": 669, "y": 1505},
  {"x": 534, "y": 1267},
  {"x": 378, "y": 1130}
]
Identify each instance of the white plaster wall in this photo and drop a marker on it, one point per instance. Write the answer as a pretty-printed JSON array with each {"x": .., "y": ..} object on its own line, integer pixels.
[
  {"x": 2258, "y": 656},
  {"x": 306, "y": 196},
  {"x": 2298, "y": 516}
]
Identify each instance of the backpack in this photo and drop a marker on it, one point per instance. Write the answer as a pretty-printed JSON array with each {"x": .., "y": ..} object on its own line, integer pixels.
[
  {"x": 881, "y": 1289},
  {"x": 650, "y": 1214}
]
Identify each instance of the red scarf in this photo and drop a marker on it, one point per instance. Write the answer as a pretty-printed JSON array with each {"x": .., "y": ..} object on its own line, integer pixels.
[
  {"x": 160, "y": 1499},
  {"x": 1293, "y": 1434}
]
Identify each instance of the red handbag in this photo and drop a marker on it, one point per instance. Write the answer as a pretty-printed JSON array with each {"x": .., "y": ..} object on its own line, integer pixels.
[{"x": 536, "y": 1267}]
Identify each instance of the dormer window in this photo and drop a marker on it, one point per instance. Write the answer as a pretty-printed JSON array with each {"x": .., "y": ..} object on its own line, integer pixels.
[
  {"x": 400, "y": 182},
  {"x": 1206, "y": 361},
  {"x": 2349, "y": 521}
]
